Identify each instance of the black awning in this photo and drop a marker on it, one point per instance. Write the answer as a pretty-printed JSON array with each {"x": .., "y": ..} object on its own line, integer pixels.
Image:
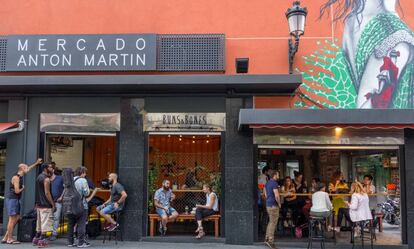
[
  {"x": 269, "y": 118},
  {"x": 247, "y": 84}
]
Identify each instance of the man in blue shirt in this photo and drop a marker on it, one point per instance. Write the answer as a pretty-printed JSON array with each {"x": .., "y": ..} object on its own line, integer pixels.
[
  {"x": 272, "y": 207},
  {"x": 162, "y": 199},
  {"x": 56, "y": 182}
]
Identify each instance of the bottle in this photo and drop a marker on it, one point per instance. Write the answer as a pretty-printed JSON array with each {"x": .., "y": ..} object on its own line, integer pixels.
[
  {"x": 175, "y": 186},
  {"x": 186, "y": 209}
]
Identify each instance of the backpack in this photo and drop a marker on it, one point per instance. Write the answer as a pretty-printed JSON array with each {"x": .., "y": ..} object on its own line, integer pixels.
[{"x": 72, "y": 201}]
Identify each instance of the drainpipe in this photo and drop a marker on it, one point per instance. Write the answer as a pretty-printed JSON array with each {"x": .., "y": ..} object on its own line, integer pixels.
[{"x": 26, "y": 116}]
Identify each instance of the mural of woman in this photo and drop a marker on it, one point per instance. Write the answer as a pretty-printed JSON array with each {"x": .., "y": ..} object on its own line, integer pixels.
[{"x": 378, "y": 52}]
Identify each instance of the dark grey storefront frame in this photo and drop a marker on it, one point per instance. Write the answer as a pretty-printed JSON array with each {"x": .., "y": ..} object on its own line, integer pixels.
[
  {"x": 128, "y": 95},
  {"x": 339, "y": 117},
  {"x": 144, "y": 85}
]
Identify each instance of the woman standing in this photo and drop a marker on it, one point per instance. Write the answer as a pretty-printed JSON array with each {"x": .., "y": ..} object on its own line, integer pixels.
[
  {"x": 204, "y": 211},
  {"x": 338, "y": 186},
  {"x": 289, "y": 199}
]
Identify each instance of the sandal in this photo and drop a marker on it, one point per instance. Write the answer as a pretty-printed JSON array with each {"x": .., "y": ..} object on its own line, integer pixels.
[
  {"x": 201, "y": 233},
  {"x": 13, "y": 242}
]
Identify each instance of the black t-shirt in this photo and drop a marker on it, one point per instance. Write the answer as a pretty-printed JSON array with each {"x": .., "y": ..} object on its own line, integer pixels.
[
  {"x": 41, "y": 200},
  {"x": 12, "y": 193}
]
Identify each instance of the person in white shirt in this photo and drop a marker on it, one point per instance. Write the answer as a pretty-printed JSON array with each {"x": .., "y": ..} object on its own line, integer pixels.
[
  {"x": 321, "y": 204},
  {"x": 358, "y": 209},
  {"x": 203, "y": 211}
]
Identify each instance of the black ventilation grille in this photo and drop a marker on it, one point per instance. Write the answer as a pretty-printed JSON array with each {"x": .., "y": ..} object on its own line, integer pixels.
[
  {"x": 191, "y": 52},
  {"x": 3, "y": 53}
]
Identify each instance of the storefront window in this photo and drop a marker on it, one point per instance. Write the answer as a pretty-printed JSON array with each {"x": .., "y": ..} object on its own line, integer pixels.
[
  {"x": 188, "y": 162},
  {"x": 378, "y": 170}
]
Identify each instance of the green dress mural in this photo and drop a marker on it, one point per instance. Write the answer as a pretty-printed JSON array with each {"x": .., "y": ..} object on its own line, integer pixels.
[{"x": 378, "y": 73}]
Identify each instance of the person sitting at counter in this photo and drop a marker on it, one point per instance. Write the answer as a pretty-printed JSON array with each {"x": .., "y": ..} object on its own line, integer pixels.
[
  {"x": 358, "y": 209},
  {"x": 321, "y": 204},
  {"x": 203, "y": 211}
]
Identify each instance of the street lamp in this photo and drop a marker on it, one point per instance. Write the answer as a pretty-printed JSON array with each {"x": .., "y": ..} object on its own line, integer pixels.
[{"x": 296, "y": 17}]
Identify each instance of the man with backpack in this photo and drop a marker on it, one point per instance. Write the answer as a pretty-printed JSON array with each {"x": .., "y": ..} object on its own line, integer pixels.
[{"x": 75, "y": 206}]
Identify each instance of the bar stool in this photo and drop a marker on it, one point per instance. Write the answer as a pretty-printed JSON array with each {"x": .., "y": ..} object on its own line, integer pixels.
[
  {"x": 117, "y": 231},
  {"x": 316, "y": 231},
  {"x": 365, "y": 227}
]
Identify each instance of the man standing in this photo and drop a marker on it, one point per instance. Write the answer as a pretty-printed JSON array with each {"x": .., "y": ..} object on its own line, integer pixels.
[
  {"x": 57, "y": 190},
  {"x": 81, "y": 185},
  {"x": 13, "y": 205},
  {"x": 114, "y": 204},
  {"x": 162, "y": 200},
  {"x": 45, "y": 206},
  {"x": 273, "y": 207}
]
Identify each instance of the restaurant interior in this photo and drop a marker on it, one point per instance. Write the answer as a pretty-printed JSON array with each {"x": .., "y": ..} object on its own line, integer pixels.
[{"x": 327, "y": 165}]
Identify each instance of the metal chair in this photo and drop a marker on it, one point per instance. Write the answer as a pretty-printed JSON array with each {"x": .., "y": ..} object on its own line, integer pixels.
[
  {"x": 117, "y": 231},
  {"x": 316, "y": 231}
]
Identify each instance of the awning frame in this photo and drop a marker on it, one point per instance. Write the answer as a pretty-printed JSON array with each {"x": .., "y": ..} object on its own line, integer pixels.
[
  {"x": 380, "y": 118},
  {"x": 20, "y": 127}
]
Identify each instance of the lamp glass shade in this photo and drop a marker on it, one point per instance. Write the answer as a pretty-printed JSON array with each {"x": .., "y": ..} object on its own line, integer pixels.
[
  {"x": 296, "y": 16},
  {"x": 297, "y": 24}
]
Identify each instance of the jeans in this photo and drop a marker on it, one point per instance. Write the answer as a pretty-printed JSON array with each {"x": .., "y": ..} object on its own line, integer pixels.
[
  {"x": 343, "y": 212},
  {"x": 80, "y": 223},
  {"x": 57, "y": 217},
  {"x": 273, "y": 213},
  {"x": 202, "y": 213}
]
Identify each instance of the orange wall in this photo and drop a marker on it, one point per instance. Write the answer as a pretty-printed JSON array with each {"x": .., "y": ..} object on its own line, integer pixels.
[{"x": 255, "y": 29}]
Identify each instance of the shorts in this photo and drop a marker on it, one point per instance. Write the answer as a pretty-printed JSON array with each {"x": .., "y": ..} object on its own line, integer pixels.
[
  {"x": 13, "y": 207},
  {"x": 161, "y": 212},
  {"x": 108, "y": 209},
  {"x": 44, "y": 222}
]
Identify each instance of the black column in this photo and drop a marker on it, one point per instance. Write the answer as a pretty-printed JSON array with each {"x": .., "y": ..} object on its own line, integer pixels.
[
  {"x": 407, "y": 202},
  {"x": 15, "y": 151},
  {"x": 239, "y": 168},
  {"x": 131, "y": 167}
]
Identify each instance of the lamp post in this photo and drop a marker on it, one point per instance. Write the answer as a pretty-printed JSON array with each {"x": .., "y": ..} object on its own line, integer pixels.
[{"x": 296, "y": 17}]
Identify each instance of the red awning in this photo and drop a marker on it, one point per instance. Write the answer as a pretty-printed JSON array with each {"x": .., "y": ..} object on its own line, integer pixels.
[
  {"x": 5, "y": 126},
  {"x": 329, "y": 126}
]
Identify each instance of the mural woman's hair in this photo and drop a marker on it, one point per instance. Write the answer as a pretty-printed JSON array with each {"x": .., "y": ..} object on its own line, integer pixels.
[{"x": 346, "y": 8}]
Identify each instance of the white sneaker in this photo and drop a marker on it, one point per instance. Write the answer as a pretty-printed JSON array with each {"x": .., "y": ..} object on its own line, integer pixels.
[{"x": 84, "y": 245}]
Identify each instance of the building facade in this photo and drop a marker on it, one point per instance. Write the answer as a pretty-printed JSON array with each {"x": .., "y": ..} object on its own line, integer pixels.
[{"x": 105, "y": 84}]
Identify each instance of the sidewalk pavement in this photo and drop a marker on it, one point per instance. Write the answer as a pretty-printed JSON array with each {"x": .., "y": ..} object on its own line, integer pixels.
[{"x": 60, "y": 244}]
